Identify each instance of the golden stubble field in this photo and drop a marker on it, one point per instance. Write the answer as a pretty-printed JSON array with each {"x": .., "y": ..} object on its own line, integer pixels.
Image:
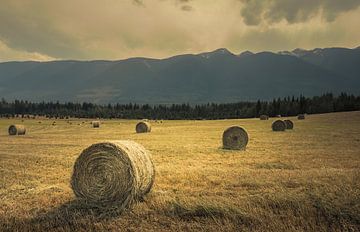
[{"x": 299, "y": 180}]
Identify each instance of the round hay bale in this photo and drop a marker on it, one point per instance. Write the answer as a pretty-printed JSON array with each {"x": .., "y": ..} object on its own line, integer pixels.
[
  {"x": 113, "y": 174},
  {"x": 278, "y": 116},
  {"x": 264, "y": 117},
  {"x": 235, "y": 138},
  {"x": 289, "y": 124},
  {"x": 17, "y": 129},
  {"x": 95, "y": 124},
  {"x": 301, "y": 117},
  {"x": 143, "y": 127},
  {"x": 278, "y": 125}
]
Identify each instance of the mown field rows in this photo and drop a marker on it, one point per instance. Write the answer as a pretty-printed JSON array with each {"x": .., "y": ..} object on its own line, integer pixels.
[{"x": 302, "y": 179}]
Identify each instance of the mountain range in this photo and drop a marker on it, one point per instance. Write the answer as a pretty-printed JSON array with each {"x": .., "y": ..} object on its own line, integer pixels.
[{"x": 217, "y": 76}]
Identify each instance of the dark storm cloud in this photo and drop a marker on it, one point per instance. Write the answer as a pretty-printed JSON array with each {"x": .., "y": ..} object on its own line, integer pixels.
[
  {"x": 116, "y": 29},
  {"x": 294, "y": 11},
  {"x": 138, "y": 2},
  {"x": 184, "y": 4},
  {"x": 186, "y": 8}
]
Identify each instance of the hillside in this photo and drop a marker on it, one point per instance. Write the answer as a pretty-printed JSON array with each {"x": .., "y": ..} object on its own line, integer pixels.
[{"x": 218, "y": 76}]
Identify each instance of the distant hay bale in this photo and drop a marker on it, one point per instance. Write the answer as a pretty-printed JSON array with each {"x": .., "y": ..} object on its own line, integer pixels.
[
  {"x": 278, "y": 125},
  {"x": 301, "y": 117},
  {"x": 264, "y": 117},
  {"x": 17, "y": 129},
  {"x": 289, "y": 124},
  {"x": 95, "y": 124},
  {"x": 235, "y": 138},
  {"x": 113, "y": 174},
  {"x": 143, "y": 127},
  {"x": 278, "y": 116}
]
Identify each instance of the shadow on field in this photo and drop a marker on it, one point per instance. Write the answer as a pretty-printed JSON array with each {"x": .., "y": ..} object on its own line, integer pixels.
[{"x": 73, "y": 215}]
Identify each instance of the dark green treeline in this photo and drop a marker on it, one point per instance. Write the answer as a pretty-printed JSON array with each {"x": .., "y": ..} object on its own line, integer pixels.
[{"x": 289, "y": 106}]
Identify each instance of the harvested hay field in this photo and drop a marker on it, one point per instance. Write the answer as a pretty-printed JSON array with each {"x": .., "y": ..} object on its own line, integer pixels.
[{"x": 298, "y": 180}]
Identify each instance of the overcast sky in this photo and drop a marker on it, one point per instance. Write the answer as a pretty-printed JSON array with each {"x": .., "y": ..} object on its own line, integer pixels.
[{"x": 117, "y": 29}]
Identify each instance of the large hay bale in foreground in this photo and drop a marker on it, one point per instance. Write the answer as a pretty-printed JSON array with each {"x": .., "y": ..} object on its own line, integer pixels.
[
  {"x": 143, "y": 127},
  {"x": 17, "y": 129},
  {"x": 278, "y": 125},
  {"x": 113, "y": 174},
  {"x": 289, "y": 124},
  {"x": 235, "y": 138},
  {"x": 95, "y": 124},
  {"x": 264, "y": 117},
  {"x": 301, "y": 117}
]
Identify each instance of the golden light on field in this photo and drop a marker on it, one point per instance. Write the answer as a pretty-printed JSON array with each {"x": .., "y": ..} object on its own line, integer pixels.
[{"x": 301, "y": 179}]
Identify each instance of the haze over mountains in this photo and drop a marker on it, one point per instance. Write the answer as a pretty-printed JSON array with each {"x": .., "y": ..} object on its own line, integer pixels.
[{"x": 218, "y": 76}]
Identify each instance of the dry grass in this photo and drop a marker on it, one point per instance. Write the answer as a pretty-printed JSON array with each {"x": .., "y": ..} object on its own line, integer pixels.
[{"x": 304, "y": 179}]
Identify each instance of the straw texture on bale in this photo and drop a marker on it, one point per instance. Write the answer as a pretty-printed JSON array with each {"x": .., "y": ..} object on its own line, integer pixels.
[
  {"x": 278, "y": 125},
  {"x": 235, "y": 138},
  {"x": 95, "y": 124},
  {"x": 143, "y": 127},
  {"x": 264, "y": 117},
  {"x": 289, "y": 124},
  {"x": 301, "y": 116},
  {"x": 113, "y": 174},
  {"x": 17, "y": 129}
]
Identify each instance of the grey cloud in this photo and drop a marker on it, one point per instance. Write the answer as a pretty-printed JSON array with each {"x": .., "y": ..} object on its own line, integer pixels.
[
  {"x": 184, "y": 4},
  {"x": 294, "y": 11},
  {"x": 256, "y": 40},
  {"x": 138, "y": 2},
  {"x": 186, "y": 8},
  {"x": 41, "y": 29},
  {"x": 31, "y": 31}
]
